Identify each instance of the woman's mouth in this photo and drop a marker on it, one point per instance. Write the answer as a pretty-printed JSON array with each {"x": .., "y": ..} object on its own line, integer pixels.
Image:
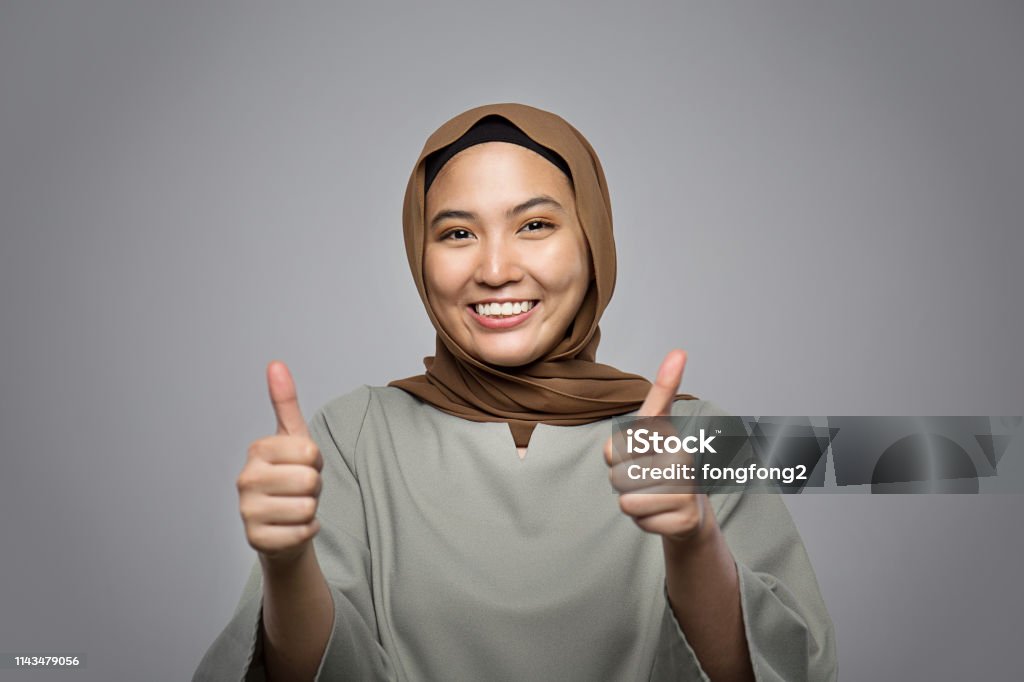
[{"x": 502, "y": 314}]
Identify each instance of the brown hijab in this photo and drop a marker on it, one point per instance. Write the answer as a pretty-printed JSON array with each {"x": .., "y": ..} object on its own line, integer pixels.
[{"x": 567, "y": 386}]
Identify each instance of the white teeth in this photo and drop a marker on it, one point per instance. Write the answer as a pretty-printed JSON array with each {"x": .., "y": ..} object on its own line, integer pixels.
[{"x": 503, "y": 309}]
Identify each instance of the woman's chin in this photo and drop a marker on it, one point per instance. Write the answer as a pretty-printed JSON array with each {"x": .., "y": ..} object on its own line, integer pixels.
[{"x": 506, "y": 357}]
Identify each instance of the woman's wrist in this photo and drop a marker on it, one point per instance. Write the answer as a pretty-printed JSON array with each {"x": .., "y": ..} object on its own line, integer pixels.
[
  {"x": 280, "y": 568},
  {"x": 707, "y": 534}
]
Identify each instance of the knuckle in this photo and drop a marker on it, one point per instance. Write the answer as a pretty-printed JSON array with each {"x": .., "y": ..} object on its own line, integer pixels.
[
  {"x": 246, "y": 480},
  {"x": 311, "y": 481},
  {"x": 258, "y": 449},
  {"x": 307, "y": 507},
  {"x": 293, "y": 535},
  {"x": 257, "y": 538},
  {"x": 312, "y": 529},
  {"x": 245, "y": 509},
  {"x": 310, "y": 452},
  {"x": 617, "y": 480}
]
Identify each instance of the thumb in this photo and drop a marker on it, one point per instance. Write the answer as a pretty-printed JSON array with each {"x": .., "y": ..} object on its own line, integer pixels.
[
  {"x": 290, "y": 421},
  {"x": 663, "y": 392}
]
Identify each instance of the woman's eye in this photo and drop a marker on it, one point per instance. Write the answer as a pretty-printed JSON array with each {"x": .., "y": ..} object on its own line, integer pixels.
[
  {"x": 457, "y": 233},
  {"x": 536, "y": 226}
]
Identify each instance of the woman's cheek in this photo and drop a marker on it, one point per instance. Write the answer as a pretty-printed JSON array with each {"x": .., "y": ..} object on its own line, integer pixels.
[{"x": 442, "y": 275}]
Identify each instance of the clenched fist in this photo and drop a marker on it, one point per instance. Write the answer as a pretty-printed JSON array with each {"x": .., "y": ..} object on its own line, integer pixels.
[
  {"x": 279, "y": 487},
  {"x": 675, "y": 516}
]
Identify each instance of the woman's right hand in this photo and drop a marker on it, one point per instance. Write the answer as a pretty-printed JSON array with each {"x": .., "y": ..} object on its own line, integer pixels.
[{"x": 279, "y": 487}]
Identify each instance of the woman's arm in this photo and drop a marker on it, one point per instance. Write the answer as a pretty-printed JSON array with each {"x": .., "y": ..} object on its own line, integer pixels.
[
  {"x": 703, "y": 590},
  {"x": 742, "y": 596},
  {"x": 292, "y": 598},
  {"x": 298, "y": 614},
  {"x": 700, "y": 574},
  {"x": 700, "y": 578}
]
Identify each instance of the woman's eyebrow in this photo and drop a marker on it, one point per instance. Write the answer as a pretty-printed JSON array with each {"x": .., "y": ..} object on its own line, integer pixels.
[
  {"x": 530, "y": 203},
  {"x": 451, "y": 213},
  {"x": 456, "y": 214}
]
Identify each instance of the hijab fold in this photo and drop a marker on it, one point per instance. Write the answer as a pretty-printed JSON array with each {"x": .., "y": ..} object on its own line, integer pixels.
[{"x": 567, "y": 386}]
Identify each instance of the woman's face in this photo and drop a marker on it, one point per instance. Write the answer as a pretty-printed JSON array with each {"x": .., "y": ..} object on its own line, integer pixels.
[{"x": 506, "y": 265}]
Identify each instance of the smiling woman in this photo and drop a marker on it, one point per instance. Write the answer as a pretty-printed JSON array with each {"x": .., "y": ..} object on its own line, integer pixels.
[
  {"x": 398, "y": 535},
  {"x": 534, "y": 218}
]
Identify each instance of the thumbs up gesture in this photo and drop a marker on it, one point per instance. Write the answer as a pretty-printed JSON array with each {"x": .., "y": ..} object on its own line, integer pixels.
[
  {"x": 675, "y": 516},
  {"x": 279, "y": 487}
]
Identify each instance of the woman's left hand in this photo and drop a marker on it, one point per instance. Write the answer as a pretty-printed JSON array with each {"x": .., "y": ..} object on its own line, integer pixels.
[{"x": 677, "y": 516}]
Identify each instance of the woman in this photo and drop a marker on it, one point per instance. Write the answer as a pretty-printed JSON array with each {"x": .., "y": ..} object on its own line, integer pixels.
[{"x": 459, "y": 525}]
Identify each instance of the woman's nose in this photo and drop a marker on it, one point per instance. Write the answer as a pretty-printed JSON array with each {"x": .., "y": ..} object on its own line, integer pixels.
[{"x": 498, "y": 265}]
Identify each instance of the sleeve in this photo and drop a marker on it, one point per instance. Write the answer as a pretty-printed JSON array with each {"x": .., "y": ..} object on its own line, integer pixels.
[
  {"x": 790, "y": 635},
  {"x": 353, "y": 650}
]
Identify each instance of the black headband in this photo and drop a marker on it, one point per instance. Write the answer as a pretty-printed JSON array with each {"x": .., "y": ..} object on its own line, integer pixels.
[{"x": 491, "y": 128}]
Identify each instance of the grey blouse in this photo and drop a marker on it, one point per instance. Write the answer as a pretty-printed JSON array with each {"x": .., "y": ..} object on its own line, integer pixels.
[{"x": 450, "y": 558}]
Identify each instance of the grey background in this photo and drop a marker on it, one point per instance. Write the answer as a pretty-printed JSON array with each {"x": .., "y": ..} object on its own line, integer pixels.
[{"x": 821, "y": 202}]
